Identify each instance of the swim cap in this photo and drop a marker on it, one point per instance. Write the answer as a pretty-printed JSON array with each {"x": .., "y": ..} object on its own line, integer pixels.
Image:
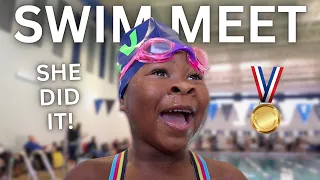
[{"x": 131, "y": 42}]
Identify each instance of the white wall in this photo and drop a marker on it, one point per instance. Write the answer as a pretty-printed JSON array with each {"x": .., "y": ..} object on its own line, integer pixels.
[{"x": 21, "y": 114}]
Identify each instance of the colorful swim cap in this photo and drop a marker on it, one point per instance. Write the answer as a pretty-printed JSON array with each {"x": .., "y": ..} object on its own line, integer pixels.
[
  {"x": 152, "y": 42},
  {"x": 132, "y": 40}
]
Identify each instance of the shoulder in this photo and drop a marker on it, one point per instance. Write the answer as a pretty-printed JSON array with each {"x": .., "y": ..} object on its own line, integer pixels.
[
  {"x": 94, "y": 169},
  {"x": 223, "y": 171}
]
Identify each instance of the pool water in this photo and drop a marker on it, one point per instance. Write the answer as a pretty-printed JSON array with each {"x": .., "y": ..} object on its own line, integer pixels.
[{"x": 262, "y": 166}]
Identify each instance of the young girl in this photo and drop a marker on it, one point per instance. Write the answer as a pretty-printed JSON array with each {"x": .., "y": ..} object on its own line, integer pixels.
[{"x": 163, "y": 93}]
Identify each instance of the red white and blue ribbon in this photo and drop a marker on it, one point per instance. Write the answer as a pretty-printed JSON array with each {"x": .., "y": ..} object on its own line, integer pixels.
[{"x": 266, "y": 91}]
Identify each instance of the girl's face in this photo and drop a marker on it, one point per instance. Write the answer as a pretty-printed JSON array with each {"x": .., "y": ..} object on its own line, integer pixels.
[{"x": 166, "y": 103}]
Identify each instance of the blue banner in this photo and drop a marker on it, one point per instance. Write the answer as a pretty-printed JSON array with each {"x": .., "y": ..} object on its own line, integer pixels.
[
  {"x": 76, "y": 46},
  {"x": 109, "y": 103},
  {"x": 212, "y": 110},
  {"x": 108, "y": 19},
  {"x": 97, "y": 105},
  {"x": 102, "y": 59},
  {"x": 226, "y": 110},
  {"x": 316, "y": 109},
  {"x": 304, "y": 111}
]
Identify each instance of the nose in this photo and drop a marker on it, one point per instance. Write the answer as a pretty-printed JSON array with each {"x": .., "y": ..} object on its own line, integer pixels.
[{"x": 183, "y": 88}]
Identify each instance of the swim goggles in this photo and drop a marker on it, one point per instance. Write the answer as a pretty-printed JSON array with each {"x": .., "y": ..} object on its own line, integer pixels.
[{"x": 159, "y": 50}]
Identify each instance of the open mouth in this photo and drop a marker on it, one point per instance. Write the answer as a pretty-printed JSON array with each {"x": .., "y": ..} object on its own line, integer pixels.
[{"x": 178, "y": 118}]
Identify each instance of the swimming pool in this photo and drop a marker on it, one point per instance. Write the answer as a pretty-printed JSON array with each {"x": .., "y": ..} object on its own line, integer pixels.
[{"x": 273, "y": 166}]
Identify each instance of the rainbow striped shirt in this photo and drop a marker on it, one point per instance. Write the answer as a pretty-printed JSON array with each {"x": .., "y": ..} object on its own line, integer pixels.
[{"x": 119, "y": 163}]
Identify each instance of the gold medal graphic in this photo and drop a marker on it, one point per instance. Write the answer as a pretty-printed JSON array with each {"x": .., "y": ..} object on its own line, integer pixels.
[{"x": 265, "y": 118}]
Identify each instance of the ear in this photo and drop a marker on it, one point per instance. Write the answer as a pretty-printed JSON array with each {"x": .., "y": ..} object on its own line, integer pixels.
[{"x": 122, "y": 106}]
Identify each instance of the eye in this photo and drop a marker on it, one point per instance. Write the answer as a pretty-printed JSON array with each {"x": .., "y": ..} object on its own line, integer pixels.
[
  {"x": 195, "y": 77},
  {"x": 160, "y": 72}
]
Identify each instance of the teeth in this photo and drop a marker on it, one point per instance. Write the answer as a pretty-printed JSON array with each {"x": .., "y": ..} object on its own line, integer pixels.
[{"x": 184, "y": 111}]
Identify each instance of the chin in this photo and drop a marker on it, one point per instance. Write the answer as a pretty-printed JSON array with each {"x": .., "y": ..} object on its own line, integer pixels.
[{"x": 173, "y": 144}]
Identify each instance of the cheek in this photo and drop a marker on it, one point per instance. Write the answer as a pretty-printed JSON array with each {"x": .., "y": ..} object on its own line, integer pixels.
[
  {"x": 151, "y": 91},
  {"x": 203, "y": 102},
  {"x": 147, "y": 92},
  {"x": 203, "y": 97},
  {"x": 143, "y": 97},
  {"x": 143, "y": 100}
]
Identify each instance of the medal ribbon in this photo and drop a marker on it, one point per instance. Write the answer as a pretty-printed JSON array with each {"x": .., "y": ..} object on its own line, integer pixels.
[{"x": 266, "y": 91}]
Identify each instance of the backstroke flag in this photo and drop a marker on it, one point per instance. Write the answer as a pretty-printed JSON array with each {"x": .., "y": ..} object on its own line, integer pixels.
[
  {"x": 226, "y": 110},
  {"x": 109, "y": 103},
  {"x": 97, "y": 105},
  {"x": 304, "y": 111},
  {"x": 316, "y": 109},
  {"x": 287, "y": 114},
  {"x": 212, "y": 110},
  {"x": 241, "y": 112}
]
